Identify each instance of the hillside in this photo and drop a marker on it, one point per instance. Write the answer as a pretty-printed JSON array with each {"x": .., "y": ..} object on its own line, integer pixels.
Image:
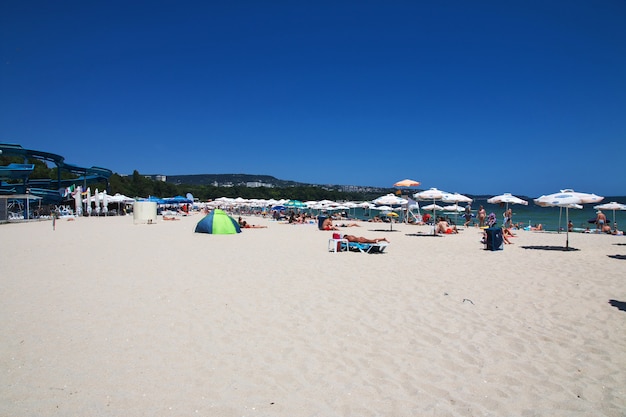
[{"x": 234, "y": 179}]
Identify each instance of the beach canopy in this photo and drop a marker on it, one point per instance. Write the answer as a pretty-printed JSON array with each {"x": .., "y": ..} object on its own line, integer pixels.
[
  {"x": 506, "y": 198},
  {"x": 390, "y": 200},
  {"x": 566, "y": 199},
  {"x": 295, "y": 204},
  {"x": 179, "y": 199},
  {"x": 217, "y": 222},
  {"x": 431, "y": 194},
  {"x": 407, "y": 183}
]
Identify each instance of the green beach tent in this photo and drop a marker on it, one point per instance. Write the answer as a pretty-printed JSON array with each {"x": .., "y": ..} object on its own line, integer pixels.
[{"x": 217, "y": 222}]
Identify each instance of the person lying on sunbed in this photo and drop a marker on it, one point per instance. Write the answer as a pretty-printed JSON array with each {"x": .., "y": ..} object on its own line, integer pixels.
[{"x": 361, "y": 239}]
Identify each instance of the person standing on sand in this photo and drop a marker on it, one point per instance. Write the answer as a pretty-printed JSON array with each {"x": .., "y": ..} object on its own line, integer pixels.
[
  {"x": 600, "y": 220},
  {"x": 508, "y": 218},
  {"x": 482, "y": 215},
  {"x": 468, "y": 214}
]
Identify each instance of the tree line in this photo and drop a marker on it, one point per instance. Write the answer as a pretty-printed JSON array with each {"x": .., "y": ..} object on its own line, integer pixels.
[{"x": 138, "y": 185}]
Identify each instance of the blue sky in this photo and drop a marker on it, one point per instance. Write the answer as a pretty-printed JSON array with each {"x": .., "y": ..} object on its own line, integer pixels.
[{"x": 476, "y": 97}]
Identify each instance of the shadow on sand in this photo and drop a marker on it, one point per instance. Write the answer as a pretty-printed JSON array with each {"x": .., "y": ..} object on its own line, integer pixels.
[
  {"x": 620, "y": 305},
  {"x": 422, "y": 235},
  {"x": 556, "y": 248},
  {"x": 617, "y": 256}
]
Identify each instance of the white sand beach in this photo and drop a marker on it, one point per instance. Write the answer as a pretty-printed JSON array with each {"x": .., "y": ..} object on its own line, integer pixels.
[{"x": 110, "y": 318}]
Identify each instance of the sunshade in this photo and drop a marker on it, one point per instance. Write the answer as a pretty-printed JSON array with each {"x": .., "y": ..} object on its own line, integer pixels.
[
  {"x": 431, "y": 194},
  {"x": 455, "y": 198},
  {"x": 217, "y": 222},
  {"x": 179, "y": 199},
  {"x": 585, "y": 198},
  {"x": 432, "y": 207},
  {"x": 295, "y": 204},
  {"x": 566, "y": 200},
  {"x": 407, "y": 183},
  {"x": 390, "y": 200},
  {"x": 105, "y": 202},
  {"x": 88, "y": 201},
  {"x": 391, "y": 216},
  {"x": 454, "y": 207},
  {"x": 506, "y": 198},
  {"x": 97, "y": 201},
  {"x": 78, "y": 201}
]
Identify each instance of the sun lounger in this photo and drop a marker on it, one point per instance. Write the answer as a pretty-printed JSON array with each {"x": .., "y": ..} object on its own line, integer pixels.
[
  {"x": 363, "y": 247},
  {"x": 368, "y": 247}
]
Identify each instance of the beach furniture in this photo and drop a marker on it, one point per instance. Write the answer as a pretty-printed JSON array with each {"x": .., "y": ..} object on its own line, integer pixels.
[
  {"x": 337, "y": 244},
  {"x": 368, "y": 247}
]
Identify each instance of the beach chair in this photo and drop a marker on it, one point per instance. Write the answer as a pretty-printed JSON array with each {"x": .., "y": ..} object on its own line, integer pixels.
[{"x": 368, "y": 247}]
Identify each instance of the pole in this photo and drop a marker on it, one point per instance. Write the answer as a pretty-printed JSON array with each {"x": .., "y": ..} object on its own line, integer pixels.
[{"x": 567, "y": 230}]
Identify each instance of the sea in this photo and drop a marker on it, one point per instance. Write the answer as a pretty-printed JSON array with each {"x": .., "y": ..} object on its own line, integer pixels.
[{"x": 551, "y": 218}]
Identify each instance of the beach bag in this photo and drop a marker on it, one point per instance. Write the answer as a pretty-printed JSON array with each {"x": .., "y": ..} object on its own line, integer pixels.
[{"x": 494, "y": 240}]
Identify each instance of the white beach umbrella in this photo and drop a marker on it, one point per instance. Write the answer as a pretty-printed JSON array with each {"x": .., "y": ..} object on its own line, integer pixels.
[
  {"x": 390, "y": 200},
  {"x": 506, "y": 198},
  {"x": 563, "y": 200},
  {"x": 585, "y": 198},
  {"x": 327, "y": 203},
  {"x": 455, "y": 198},
  {"x": 432, "y": 207},
  {"x": 78, "y": 201},
  {"x": 434, "y": 195},
  {"x": 88, "y": 201},
  {"x": 613, "y": 205},
  {"x": 105, "y": 202},
  {"x": 96, "y": 198},
  {"x": 454, "y": 207}
]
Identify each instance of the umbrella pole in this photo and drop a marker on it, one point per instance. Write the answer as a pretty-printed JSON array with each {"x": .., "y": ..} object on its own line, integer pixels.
[
  {"x": 614, "y": 218},
  {"x": 434, "y": 219},
  {"x": 567, "y": 230}
]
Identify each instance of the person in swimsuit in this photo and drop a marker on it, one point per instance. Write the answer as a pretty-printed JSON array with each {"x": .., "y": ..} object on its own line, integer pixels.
[{"x": 361, "y": 239}]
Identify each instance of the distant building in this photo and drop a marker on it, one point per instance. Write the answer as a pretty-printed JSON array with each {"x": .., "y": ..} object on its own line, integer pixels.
[
  {"x": 157, "y": 177},
  {"x": 257, "y": 184}
]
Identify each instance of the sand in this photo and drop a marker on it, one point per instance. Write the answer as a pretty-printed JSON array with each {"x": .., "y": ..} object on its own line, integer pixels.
[{"x": 104, "y": 317}]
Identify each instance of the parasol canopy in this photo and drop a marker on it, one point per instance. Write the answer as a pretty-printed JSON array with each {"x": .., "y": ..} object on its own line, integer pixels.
[
  {"x": 407, "y": 183},
  {"x": 506, "y": 198},
  {"x": 565, "y": 200},
  {"x": 434, "y": 195}
]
